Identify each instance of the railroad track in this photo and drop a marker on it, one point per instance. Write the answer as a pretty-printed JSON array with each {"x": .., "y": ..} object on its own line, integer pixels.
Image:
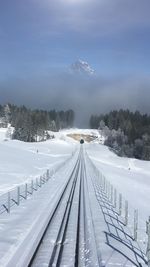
[
  {"x": 60, "y": 236},
  {"x": 68, "y": 239},
  {"x": 68, "y": 235}
]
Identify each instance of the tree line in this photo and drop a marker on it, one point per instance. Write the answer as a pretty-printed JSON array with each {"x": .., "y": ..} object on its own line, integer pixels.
[
  {"x": 126, "y": 132},
  {"x": 33, "y": 125}
]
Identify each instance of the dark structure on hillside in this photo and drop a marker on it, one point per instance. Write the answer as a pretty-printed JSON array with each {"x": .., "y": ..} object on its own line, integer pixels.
[{"x": 81, "y": 141}]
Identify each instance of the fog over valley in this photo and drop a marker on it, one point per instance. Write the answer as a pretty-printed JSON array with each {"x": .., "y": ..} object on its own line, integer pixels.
[{"x": 86, "y": 95}]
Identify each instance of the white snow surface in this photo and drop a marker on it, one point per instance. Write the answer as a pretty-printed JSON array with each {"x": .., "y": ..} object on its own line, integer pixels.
[
  {"x": 131, "y": 178},
  {"x": 20, "y": 162}
]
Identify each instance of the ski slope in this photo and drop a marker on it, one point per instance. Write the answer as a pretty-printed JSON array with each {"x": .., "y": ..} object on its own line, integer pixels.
[{"x": 21, "y": 162}]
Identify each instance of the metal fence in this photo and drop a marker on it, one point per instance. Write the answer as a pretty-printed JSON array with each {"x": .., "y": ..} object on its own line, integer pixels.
[
  {"x": 19, "y": 193},
  {"x": 22, "y": 192},
  {"x": 130, "y": 216}
]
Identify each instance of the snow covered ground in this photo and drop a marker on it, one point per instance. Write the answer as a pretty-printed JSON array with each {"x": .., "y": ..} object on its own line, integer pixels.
[
  {"x": 20, "y": 162},
  {"x": 131, "y": 178}
]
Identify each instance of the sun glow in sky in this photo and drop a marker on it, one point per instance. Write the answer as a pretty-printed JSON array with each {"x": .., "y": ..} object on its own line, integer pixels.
[{"x": 74, "y": 3}]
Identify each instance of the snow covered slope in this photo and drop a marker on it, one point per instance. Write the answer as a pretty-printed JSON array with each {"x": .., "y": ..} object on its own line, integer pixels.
[
  {"x": 20, "y": 162},
  {"x": 131, "y": 178}
]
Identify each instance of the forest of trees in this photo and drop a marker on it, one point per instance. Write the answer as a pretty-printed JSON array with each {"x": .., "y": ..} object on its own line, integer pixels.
[
  {"x": 127, "y": 133},
  {"x": 33, "y": 125}
]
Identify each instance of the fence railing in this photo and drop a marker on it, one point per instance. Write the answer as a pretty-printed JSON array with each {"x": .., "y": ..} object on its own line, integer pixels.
[
  {"x": 133, "y": 221},
  {"x": 22, "y": 192}
]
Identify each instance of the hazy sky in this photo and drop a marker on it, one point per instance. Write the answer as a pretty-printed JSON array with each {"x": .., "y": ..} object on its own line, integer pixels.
[{"x": 40, "y": 39}]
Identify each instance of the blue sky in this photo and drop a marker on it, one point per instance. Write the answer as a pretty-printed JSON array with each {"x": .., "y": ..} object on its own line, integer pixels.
[
  {"x": 113, "y": 36},
  {"x": 40, "y": 39}
]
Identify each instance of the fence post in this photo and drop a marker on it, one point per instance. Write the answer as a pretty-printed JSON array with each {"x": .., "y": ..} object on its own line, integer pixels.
[
  {"x": 31, "y": 187},
  {"x": 104, "y": 183},
  {"x": 147, "y": 224},
  {"x": 47, "y": 175},
  {"x": 115, "y": 198},
  {"x": 148, "y": 241},
  {"x": 18, "y": 195},
  {"x": 111, "y": 195},
  {"x": 126, "y": 212},
  {"x": 40, "y": 181},
  {"x": 26, "y": 190},
  {"x": 106, "y": 187},
  {"x": 36, "y": 183},
  {"x": 120, "y": 204},
  {"x": 135, "y": 224},
  {"x": 8, "y": 202},
  {"x": 108, "y": 191}
]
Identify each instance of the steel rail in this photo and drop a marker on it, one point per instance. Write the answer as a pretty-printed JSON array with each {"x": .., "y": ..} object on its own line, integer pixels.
[{"x": 66, "y": 213}]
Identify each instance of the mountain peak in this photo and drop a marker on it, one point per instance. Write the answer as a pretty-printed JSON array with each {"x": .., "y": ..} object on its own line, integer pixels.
[{"x": 82, "y": 67}]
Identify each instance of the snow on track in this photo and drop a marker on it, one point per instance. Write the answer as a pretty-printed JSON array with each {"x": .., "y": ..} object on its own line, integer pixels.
[
  {"x": 69, "y": 239},
  {"x": 50, "y": 250}
]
